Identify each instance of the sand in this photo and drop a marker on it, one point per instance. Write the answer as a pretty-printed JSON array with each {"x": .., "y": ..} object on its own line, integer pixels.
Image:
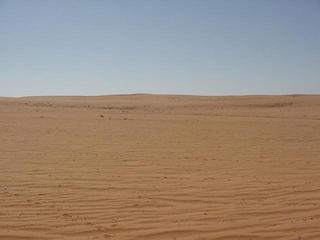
[{"x": 160, "y": 167}]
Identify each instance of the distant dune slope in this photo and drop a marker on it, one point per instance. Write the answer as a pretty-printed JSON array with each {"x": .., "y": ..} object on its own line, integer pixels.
[{"x": 160, "y": 167}]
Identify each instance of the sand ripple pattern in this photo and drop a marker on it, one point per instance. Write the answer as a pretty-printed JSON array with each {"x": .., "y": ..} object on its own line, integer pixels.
[{"x": 160, "y": 167}]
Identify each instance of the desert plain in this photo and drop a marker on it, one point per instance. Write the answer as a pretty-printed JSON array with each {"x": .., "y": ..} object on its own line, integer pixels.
[{"x": 160, "y": 167}]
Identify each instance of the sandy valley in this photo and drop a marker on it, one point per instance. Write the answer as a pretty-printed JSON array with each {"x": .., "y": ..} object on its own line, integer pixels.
[{"x": 160, "y": 167}]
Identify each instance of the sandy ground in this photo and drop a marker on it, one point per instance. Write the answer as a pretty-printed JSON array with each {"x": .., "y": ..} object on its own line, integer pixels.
[{"x": 160, "y": 167}]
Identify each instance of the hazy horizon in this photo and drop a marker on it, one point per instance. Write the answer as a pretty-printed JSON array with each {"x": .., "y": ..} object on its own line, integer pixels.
[
  {"x": 162, "y": 94},
  {"x": 211, "y": 48}
]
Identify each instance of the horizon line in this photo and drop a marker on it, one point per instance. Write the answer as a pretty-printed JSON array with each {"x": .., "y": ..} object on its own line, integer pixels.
[{"x": 164, "y": 94}]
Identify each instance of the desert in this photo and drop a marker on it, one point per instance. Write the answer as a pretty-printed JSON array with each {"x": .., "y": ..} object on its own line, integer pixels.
[{"x": 146, "y": 166}]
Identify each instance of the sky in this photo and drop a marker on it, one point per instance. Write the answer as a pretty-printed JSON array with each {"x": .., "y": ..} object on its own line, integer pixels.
[{"x": 200, "y": 47}]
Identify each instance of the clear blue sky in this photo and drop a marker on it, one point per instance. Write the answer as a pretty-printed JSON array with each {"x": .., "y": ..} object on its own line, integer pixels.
[{"x": 207, "y": 47}]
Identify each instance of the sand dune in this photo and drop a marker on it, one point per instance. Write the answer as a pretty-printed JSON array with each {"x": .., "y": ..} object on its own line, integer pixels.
[{"x": 160, "y": 167}]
